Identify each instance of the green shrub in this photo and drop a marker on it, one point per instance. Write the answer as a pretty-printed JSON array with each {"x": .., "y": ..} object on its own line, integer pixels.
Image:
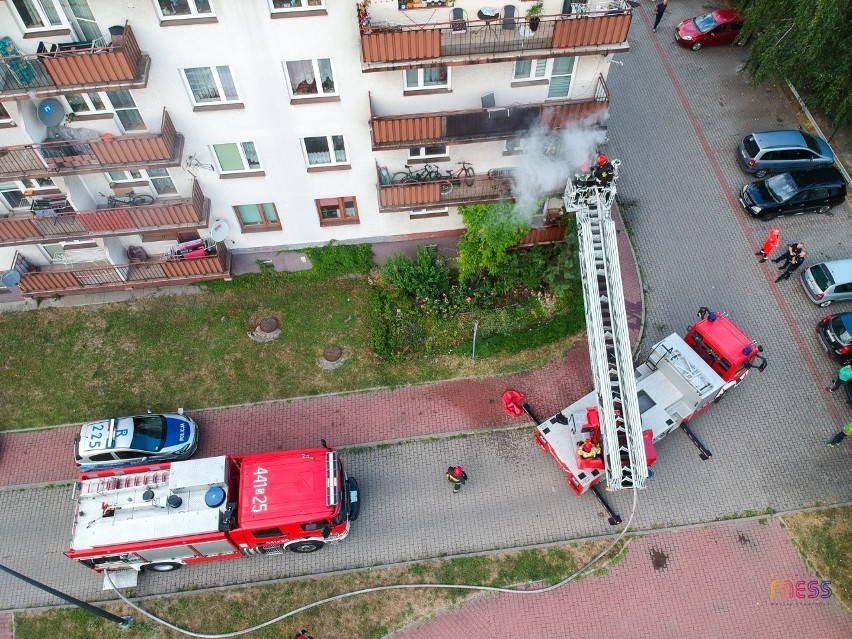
[
  {"x": 490, "y": 230},
  {"x": 395, "y": 328},
  {"x": 334, "y": 260},
  {"x": 425, "y": 278},
  {"x": 562, "y": 275}
]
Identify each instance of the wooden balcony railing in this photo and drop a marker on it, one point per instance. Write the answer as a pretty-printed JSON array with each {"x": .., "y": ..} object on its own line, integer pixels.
[
  {"x": 73, "y": 67},
  {"x": 93, "y": 155},
  {"x": 454, "y": 127},
  {"x": 401, "y": 197},
  {"x": 87, "y": 278},
  {"x": 389, "y": 47},
  {"x": 186, "y": 213}
]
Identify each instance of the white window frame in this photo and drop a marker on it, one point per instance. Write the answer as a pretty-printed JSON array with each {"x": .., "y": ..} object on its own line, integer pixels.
[
  {"x": 5, "y": 118},
  {"x": 539, "y": 70},
  {"x": 419, "y": 86},
  {"x": 144, "y": 177},
  {"x": 217, "y": 82},
  {"x": 28, "y": 189},
  {"x": 92, "y": 109},
  {"x": 572, "y": 75},
  {"x": 63, "y": 19},
  {"x": 193, "y": 11},
  {"x": 306, "y": 5},
  {"x": 422, "y": 155},
  {"x": 330, "y": 143},
  {"x": 246, "y": 168},
  {"x": 321, "y": 93},
  {"x": 420, "y": 214}
]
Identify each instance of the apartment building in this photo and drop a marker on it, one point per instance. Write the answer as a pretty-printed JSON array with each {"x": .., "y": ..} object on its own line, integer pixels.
[{"x": 145, "y": 142}]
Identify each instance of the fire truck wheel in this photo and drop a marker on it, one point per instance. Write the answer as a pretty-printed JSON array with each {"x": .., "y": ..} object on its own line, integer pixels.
[
  {"x": 306, "y": 546},
  {"x": 164, "y": 567}
]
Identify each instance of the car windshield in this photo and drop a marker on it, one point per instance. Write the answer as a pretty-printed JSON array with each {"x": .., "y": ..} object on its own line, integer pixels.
[
  {"x": 149, "y": 433},
  {"x": 842, "y": 325},
  {"x": 813, "y": 145},
  {"x": 821, "y": 277},
  {"x": 705, "y": 23},
  {"x": 781, "y": 187},
  {"x": 750, "y": 146}
]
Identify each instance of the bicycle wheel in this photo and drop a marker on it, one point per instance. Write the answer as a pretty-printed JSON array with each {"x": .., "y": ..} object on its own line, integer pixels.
[
  {"x": 141, "y": 200},
  {"x": 399, "y": 178},
  {"x": 469, "y": 176},
  {"x": 446, "y": 187}
]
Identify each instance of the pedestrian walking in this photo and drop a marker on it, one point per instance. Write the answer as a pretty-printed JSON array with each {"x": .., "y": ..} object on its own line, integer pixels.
[
  {"x": 302, "y": 634},
  {"x": 843, "y": 376},
  {"x": 769, "y": 244},
  {"x": 661, "y": 9},
  {"x": 786, "y": 256},
  {"x": 845, "y": 432},
  {"x": 457, "y": 477},
  {"x": 795, "y": 262}
]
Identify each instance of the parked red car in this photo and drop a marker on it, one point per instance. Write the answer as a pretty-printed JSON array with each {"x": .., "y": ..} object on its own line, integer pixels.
[{"x": 718, "y": 27}]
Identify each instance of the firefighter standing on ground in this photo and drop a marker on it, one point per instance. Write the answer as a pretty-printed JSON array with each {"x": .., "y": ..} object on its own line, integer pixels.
[{"x": 457, "y": 477}]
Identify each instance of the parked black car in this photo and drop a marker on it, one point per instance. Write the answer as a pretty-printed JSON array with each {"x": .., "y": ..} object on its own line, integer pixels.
[
  {"x": 794, "y": 193},
  {"x": 835, "y": 335}
]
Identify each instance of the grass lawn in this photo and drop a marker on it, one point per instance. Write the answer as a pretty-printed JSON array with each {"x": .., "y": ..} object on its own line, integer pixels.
[
  {"x": 78, "y": 364},
  {"x": 367, "y": 616},
  {"x": 824, "y": 539}
]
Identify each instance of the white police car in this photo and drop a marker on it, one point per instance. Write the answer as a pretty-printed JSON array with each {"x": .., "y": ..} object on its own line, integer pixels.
[{"x": 130, "y": 441}]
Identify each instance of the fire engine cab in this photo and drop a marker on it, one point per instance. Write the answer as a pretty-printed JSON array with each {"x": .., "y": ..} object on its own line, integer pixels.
[{"x": 162, "y": 516}]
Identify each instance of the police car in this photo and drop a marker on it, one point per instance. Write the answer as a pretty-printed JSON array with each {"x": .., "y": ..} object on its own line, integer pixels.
[{"x": 129, "y": 441}]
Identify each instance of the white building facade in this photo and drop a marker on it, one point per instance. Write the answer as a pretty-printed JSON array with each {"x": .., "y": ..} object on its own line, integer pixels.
[{"x": 257, "y": 125}]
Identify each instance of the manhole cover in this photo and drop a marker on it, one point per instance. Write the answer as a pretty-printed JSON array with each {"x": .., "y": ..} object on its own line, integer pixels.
[
  {"x": 268, "y": 325},
  {"x": 332, "y": 353}
]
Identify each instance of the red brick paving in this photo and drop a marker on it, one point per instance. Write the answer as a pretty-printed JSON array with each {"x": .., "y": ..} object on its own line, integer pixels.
[
  {"x": 727, "y": 571},
  {"x": 7, "y": 628}
]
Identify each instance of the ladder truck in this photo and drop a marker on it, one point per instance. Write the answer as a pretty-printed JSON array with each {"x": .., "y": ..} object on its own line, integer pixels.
[{"x": 611, "y": 432}]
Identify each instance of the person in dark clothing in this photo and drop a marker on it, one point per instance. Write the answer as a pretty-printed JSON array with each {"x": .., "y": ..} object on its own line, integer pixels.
[
  {"x": 604, "y": 170},
  {"x": 661, "y": 9},
  {"x": 792, "y": 249},
  {"x": 795, "y": 262},
  {"x": 457, "y": 477}
]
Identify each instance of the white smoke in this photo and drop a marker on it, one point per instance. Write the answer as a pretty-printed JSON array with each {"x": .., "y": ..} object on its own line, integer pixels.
[{"x": 551, "y": 157}]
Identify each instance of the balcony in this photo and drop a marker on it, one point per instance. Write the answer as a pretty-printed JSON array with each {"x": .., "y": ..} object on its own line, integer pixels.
[
  {"x": 419, "y": 195},
  {"x": 73, "y": 67},
  {"x": 473, "y": 125},
  {"x": 385, "y": 47},
  {"x": 28, "y": 228},
  {"x": 93, "y": 155},
  {"x": 90, "y": 277}
]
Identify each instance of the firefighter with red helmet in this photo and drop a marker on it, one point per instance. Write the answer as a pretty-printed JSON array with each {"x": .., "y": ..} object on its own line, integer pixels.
[
  {"x": 604, "y": 170},
  {"x": 457, "y": 477}
]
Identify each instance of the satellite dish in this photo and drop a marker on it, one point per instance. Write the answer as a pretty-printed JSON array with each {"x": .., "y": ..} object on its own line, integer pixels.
[
  {"x": 10, "y": 278},
  {"x": 219, "y": 231},
  {"x": 51, "y": 112}
]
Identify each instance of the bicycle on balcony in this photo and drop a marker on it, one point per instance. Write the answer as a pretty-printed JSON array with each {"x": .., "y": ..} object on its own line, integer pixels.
[
  {"x": 131, "y": 199},
  {"x": 429, "y": 173},
  {"x": 454, "y": 178}
]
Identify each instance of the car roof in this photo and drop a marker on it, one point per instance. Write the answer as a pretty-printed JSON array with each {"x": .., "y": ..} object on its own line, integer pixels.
[
  {"x": 841, "y": 270},
  {"x": 822, "y": 175},
  {"x": 727, "y": 15},
  {"x": 771, "y": 139}
]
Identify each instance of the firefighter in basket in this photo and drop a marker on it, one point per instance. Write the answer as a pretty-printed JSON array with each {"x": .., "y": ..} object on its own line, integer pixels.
[
  {"x": 588, "y": 450},
  {"x": 604, "y": 170}
]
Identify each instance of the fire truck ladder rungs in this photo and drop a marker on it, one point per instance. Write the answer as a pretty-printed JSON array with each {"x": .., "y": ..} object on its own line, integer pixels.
[{"x": 609, "y": 340}]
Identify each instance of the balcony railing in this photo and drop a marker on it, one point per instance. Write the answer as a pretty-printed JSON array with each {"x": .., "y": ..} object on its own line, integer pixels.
[
  {"x": 389, "y": 47},
  {"x": 186, "y": 213},
  {"x": 454, "y": 127},
  {"x": 73, "y": 67},
  {"x": 94, "y": 155},
  {"x": 418, "y": 195},
  {"x": 161, "y": 271}
]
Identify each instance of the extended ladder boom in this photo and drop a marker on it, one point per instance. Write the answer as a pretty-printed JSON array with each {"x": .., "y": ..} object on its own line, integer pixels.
[{"x": 609, "y": 340}]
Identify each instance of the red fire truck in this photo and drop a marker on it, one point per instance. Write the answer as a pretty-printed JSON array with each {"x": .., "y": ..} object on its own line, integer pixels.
[{"x": 160, "y": 517}]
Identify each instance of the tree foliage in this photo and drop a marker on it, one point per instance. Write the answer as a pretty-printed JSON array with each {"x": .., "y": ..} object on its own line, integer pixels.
[
  {"x": 490, "y": 230},
  {"x": 809, "y": 43}
]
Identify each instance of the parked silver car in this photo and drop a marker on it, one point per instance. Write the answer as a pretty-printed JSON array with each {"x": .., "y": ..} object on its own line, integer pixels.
[{"x": 828, "y": 282}]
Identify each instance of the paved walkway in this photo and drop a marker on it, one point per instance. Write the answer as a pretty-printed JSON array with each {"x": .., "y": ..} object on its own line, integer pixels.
[{"x": 704, "y": 582}]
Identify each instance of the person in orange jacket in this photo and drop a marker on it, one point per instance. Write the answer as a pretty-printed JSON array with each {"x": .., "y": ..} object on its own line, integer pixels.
[{"x": 772, "y": 241}]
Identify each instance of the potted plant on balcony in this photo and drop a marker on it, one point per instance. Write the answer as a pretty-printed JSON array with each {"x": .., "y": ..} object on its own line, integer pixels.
[
  {"x": 533, "y": 15},
  {"x": 363, "y": 17}
]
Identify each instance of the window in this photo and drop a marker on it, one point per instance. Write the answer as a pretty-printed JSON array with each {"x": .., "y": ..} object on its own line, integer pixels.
[
  {"x": 158, "y": 180},
  {"x": 39, "y": 15},
  {"x": 340, "y": 210},
  {"x": 211, "y": 85},
  {"x": 236, "y": 157},
  {"x": 417, "y": 214},
  {"x": 310, "y": 78},
  {"x": 325, "y": 151},
  {"x": 182, "y": 9},
  {"x": 4, "y": 115},
  {"x": 14, "y": 193},
  {"x": 526, "y": 70},
  {"x": 432, "y": 78},
  {"x": 267, "y": 532},
  {"x": 258, "y": 217},
  {"x": 84, "y": 20},
  {"x": 118, "y": 103},
  {"x": 426, "y": 152},
  {"x": 283, "y": 6},
  {"x": 560, "y": 77}
]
